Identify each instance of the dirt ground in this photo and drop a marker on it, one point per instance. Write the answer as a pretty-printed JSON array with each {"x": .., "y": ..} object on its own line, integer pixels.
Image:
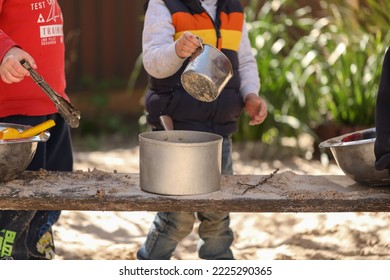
[{"x": 258, "y": 236}]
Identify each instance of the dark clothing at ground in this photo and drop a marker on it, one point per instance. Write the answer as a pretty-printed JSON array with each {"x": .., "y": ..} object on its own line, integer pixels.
[{"x": 31, "y": 237}]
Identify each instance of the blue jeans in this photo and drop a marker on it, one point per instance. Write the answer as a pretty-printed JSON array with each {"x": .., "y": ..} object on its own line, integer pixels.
[{"x": 169, "y": 228}]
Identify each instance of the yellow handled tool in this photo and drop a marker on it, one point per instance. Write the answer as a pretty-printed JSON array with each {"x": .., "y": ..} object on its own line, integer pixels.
[
  {"x": 35, "y": 130},
  {"x": 12, "y": 133}
]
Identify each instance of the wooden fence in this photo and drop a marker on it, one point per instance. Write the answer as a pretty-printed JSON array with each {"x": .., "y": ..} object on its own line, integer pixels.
[{"x": 103, "y": 39}]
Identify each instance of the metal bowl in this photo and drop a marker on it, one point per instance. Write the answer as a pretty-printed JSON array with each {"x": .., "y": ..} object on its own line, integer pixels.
[
  {"x": 354, "y": 154},
  {"x": 16, "y": 155}
]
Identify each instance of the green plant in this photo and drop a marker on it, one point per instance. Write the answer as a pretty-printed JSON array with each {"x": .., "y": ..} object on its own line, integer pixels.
[
  {"x": 349, "y": 59},
  {"x": 315, "y": 70},
  {"x": 97, "y": 98},
  {"x": 278, "y": 32},
  {"x": 135, "y": 74}
]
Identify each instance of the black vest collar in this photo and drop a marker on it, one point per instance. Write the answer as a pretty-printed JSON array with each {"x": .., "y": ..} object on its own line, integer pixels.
[{"x": 196, "y": 6}]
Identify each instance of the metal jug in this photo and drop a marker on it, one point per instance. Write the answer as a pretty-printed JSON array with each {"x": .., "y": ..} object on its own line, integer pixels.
[{"x": 207, "y": 73}]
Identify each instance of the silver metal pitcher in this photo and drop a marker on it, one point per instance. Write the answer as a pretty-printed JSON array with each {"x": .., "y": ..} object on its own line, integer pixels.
[{"x": 207, "y": 73}]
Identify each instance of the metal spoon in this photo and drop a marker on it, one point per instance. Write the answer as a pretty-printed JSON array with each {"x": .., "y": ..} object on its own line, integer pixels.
[{"x": 167, "y": 122}]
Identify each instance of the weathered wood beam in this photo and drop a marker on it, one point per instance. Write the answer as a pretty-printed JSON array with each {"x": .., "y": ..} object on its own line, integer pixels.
[{"x": 101, "y": 191}]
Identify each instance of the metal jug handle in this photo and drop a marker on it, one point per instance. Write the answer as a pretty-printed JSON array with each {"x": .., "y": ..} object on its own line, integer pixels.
[{"x": 200, "y": 43}]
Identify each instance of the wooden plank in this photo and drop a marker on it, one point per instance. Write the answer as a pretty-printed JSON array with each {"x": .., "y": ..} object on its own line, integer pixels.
[{"x": 282, "y": 192}]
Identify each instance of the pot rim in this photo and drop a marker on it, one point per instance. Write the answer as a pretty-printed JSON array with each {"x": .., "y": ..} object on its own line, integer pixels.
[
  {"x": 143, "y": 137},
  {"x": 337, "y": 141}
]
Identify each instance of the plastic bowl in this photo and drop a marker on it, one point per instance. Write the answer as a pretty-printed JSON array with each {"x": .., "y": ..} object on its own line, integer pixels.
[
  {"x": 16, "y": 155},
  {"x": 354, "y": 154}
]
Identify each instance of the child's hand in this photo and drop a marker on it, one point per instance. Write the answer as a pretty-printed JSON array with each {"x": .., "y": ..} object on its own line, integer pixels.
[
  {"x": 11, "y": 71},
  {"x": 187, "y": 44},
  {"x": 256, "y": 108}
]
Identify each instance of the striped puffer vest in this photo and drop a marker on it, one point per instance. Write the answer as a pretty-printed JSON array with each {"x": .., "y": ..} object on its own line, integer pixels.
[{"x": 167, "y": 96}]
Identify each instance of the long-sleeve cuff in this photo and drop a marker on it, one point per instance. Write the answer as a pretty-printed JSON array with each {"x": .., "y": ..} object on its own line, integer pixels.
[
  {"x": 245, "y": 90},
  {"x": 5, "y": 44},
  {"x": 168, "y": 62}
]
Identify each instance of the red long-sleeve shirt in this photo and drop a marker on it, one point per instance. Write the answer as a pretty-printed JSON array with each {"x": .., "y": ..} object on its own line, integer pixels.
[{"x": 37, "y": 28}]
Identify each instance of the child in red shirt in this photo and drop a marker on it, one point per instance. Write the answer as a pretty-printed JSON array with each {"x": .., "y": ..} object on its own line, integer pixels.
[{"x": 33, "y": 31}]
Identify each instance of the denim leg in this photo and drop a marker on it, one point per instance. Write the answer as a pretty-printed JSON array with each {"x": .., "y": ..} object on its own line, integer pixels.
[
  {"x": 214, "y": 231},
  {"x": 216, "y": 236},
  {"x": 167, "y": 230},
  {"x": 227, "y": 161}
]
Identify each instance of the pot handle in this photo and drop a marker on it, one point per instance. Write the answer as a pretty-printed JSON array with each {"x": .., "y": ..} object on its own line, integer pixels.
[{"x": 166, "y": 122}]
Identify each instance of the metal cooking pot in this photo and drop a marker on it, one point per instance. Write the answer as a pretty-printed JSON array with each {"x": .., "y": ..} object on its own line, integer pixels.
[
  {"x": 180, "y": 162},
  {"x": 16, "y": 155},
  {"x": 207, "y": 73}
]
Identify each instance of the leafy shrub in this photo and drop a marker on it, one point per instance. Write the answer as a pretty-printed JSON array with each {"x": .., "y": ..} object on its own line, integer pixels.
[
  {"x": 278, "y": 33},
  {"x": 316, "y": 70},
  {"x": 349, "y": 62}
]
